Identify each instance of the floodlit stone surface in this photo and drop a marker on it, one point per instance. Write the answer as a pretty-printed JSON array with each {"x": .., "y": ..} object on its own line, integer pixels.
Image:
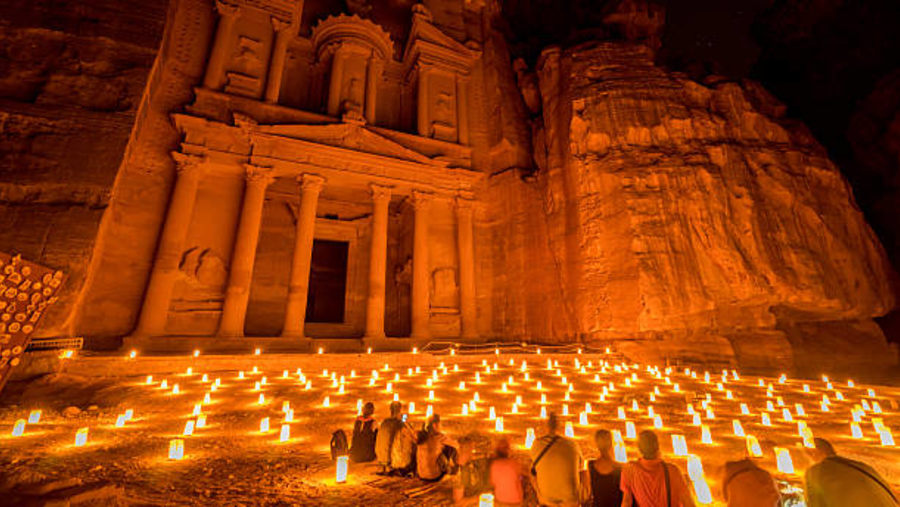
[{"x": 589, "y": 196}]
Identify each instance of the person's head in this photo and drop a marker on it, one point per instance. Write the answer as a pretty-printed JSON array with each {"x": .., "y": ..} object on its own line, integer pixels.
[
  {"x": 502, "y": 447},
  {"x": 466, "y": 449},
  {"x": 604, "y": 441},
  {"x": 648, "y": 444},
  {"x": 434, "y": 424},
  {"x": 823, "y": 449},
  {"x": 552, "y": 423},
  {"x": 396, "y": 409},
  {"x": 368, "y": 409},
  {"x": 421, "y": 437}
]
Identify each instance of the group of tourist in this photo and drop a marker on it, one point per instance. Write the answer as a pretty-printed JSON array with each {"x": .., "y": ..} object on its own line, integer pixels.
[{"x": 559, "y": 477}]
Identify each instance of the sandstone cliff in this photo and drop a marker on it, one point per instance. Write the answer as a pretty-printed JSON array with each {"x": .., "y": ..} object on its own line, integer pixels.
[{"x": 699, "y": 217}]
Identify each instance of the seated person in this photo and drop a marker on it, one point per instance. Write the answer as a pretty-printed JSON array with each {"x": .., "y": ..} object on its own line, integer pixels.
[
  {"x": 472, "y": 479},
  {"x": 506, "y": 476},
  {"x": 386, "y": 435},
  {"x": 362, "y": 444},
  {"x": 604, "y": 473},
  {"x": 652, "y": 481},
  {"x": 435, "y": 452},
  {"x": 835, "y": 481},
  {"x": 745, "y": 484}
]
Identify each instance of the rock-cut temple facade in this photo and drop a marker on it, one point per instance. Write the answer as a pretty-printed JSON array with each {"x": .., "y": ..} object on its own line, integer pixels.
[{"x": 297, "y": 170}]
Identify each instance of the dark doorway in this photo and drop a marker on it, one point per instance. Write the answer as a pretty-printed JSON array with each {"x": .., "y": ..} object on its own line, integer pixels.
[{"x": 327, "y": 281}]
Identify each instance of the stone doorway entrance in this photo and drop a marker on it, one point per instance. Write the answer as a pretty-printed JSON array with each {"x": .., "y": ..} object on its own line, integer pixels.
[{"x": 327, "y": 282}]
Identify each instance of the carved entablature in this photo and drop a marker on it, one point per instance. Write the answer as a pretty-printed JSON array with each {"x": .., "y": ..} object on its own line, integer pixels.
[
  {"x": 353, "y": 52},
  {"x": 439, "y": 68}
]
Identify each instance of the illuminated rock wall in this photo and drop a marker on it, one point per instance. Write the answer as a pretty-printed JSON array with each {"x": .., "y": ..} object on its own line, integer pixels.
[
  {"x": 704, "y": 222},
  {"x": 71, "y": 79}
]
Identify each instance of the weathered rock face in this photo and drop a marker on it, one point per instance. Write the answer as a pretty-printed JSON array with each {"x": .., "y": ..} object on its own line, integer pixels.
[
  {"x": 70, "y": 82},
  {"x": 697, "y": 215}
]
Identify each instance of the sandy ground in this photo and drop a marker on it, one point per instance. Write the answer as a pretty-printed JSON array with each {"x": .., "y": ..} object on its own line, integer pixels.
[{"x": 231, "y": 462}]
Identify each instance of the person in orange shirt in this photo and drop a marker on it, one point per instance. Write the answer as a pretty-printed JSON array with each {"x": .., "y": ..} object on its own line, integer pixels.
[
  {"x": 506, "y": 476},
  {"x": 650, "y": 481}
]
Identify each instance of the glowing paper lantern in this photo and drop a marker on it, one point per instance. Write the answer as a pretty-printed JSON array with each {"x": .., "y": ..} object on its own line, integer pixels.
[
  {"x": 701, "y": 489},
  {"x": 622, "y": 413},
  {"x": 753, "y": 448},
  {"x": 498, "y": 425},
  {"x": 429, "y": 411},
  {"x": 630, "y": 432},
  {"x": 340, "y": 472},
  {"x": 657, "y": 421},
  {"x": 766, "y": 421},
  {"x": 783, "y": 458},
  {"x": 198, "y": 408},
  {"x": 679, "y": 446},
  {"x": 129, "y": 414},
  {"x": 19, "y": 428},
  {"x": 264, "y": 425},
  {"x": 262, "y": 399},
  {"x": 34, "y": 417},
  {"x": 285, "y": 433},
  {"x": 149, "y": 379},
  {"x": 570, "y": 431},
  {"x": 855, "y": 430},
  {"x": 201, "y": 421},
  {"x": 695, "y": 468},
  {"x": 164, "y": 384},
  {"x": 621, "y": 455},
  {"x": 176, "y": 449},
  {"x": 705, "y": 435},
  {"x": 737, "y": 428},
  {"x": 486, "y": 500},
  {"x": 81, "y": 437},
  {"x": 786, "y": 415},
  {"x": 188, "y": 428},
  {"x": 120, "y": 421},
  {"x": 529, "y": 438},
  {"x": 887, "y": 438}
]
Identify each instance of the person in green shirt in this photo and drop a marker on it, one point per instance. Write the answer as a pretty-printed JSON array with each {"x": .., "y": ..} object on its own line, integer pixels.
[{"x": 835, "y": 481}]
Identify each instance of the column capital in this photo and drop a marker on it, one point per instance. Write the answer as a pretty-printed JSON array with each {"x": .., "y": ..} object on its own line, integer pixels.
[
  {"x": 279, "y": 25},
  {"x": 259, "y": 175},
  {"x": 380, "y": 192},
  {"x": 463, "y": 204},
  {"x": 311, "y": 182},
  {"x": 188, "y": 165},
  {"x": 420, "y": 199},
  {"x": 227, "y": 9}
]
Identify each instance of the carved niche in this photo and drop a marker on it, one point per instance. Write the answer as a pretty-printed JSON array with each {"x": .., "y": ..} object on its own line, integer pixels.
[
  {"x": 438, "y": 67},
  {"x": 243, "y": 47},
  {"x": 351, "y": 53}
]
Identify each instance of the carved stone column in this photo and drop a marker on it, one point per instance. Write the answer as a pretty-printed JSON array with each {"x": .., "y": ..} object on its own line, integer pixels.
[
  {"x": 237, "y": 295},
  {"x": 298, "y": 287},
  {"x": 420, "y": 304},
  {"x": 381, "y": 199},
  {"x": 283, "y": 34},
  {"x": 373, "y": 75},
  {"x": 465, "y": 242},
  {"x": 334, "y": 85},
  {"x": 215, "y": 68},
  {"x": 155, "y": 309},
  {"x": 462, "y": 110},
  {"x": 423, "y": 118}
]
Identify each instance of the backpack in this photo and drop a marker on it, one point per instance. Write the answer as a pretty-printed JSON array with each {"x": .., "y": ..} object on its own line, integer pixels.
[{"x": 339, "y": 445}]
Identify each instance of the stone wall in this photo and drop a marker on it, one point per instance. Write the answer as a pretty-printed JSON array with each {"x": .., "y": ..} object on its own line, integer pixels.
[
  {"x": 71, "y": 79},
  {"x": 702, "y": 217}
]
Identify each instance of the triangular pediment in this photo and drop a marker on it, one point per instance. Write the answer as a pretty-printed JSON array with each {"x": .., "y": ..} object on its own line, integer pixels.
[{"x": 349, "y": 136}]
